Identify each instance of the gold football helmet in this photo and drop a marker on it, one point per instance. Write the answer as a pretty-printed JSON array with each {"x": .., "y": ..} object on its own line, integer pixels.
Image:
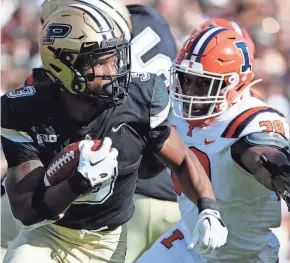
[
  {"x": 76, "y": 37},
  {"x": 116, "y": 9}
]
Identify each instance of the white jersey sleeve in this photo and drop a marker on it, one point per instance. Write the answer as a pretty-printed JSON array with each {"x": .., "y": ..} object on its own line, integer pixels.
[{"x": 257, "y": 119}]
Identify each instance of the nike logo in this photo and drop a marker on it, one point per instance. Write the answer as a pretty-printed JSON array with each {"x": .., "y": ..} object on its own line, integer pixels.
[
  {"x": 206, "y": 142},
  {"x": 118, "y": 127},
  {"x": 94, "y": 164},
  {"x": 88, "y": 44}
]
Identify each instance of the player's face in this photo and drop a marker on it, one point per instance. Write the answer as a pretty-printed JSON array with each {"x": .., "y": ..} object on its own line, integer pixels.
[
  {"x": 200, "y": 88},
  {"x": 103, "y": 67}
]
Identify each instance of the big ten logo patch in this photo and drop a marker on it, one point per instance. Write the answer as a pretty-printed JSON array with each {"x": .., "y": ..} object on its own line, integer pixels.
[
  {"x": 41, "y": 138},
  {"x": 54, "y": 31}
]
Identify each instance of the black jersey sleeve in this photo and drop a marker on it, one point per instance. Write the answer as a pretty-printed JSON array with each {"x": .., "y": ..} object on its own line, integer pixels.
[
  {"x": 160, "y": 116},
  {"x": 17, "y": 149},
  {"x": 18, "y": 146}
]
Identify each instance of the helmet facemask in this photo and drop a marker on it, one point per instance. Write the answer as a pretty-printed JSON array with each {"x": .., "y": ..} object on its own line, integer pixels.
[
  {"x": 200, "y": 95},
  {"x": 115, "y": 89}
]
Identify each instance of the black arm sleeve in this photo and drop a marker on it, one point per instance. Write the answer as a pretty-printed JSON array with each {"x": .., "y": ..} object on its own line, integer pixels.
[{"x": 160, "y": 116}]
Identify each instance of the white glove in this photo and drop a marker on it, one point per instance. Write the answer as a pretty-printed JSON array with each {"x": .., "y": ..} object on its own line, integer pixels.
[
  {"x": 209, "y": 233},
  {"x": 98, "y": 166}
]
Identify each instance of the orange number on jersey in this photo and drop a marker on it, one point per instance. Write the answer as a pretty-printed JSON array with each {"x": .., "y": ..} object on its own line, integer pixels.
[
  {"x": 204, "y": 160},
  {"x": 176, "y": 235},
  {"x": 275, "y": 126},
  {"x": 279, "y": 128}
]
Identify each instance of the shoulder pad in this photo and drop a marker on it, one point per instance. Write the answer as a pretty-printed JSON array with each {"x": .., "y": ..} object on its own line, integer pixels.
[
  {"x": 19, "y": 107},
  {"x": 257, "y": 119},
  {"x": 267, "y": 139}
]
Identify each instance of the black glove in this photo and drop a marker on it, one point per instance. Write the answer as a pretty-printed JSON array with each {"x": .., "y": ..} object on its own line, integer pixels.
[{"x": 280, "y": 175}]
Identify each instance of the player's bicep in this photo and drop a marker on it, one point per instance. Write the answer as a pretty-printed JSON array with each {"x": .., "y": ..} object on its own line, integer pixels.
[
  {"x": 25, "y": 170},
  {"x": 20, "y": 183},
  {"x": 18, "y": 174},
  {"x": 173, "y": 151}
]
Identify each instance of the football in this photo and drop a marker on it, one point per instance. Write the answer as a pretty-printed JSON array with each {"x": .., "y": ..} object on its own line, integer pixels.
[{"x": 64, "y": 163}]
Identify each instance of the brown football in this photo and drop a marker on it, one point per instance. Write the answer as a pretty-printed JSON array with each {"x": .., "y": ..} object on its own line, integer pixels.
[{"x": 64, "y": 163}]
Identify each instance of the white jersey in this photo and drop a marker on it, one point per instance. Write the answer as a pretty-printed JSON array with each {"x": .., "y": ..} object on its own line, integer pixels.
[{"x": 247, "y": 207}]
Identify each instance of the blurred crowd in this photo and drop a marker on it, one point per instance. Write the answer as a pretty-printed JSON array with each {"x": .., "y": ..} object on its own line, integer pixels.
[{"x": 267, "y": 21}]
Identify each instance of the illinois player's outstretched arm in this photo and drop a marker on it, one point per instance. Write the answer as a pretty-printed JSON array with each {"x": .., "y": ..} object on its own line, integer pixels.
[
  {"x": 266, "y": 156},
  {"x": 210, "y": 232},
  {"x": 184, "y": 163}
]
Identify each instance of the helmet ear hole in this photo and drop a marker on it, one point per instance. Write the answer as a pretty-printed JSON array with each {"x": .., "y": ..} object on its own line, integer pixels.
[
  {"x": 65, "y": 57},
  {"x": 233, "y": 79}
]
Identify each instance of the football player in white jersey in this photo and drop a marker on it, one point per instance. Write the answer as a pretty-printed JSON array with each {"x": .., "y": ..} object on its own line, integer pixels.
[{"x": 242, "y": 144}]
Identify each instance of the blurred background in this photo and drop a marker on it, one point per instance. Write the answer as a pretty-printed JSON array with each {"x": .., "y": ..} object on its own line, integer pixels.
[{"x": 267, "y": 21}]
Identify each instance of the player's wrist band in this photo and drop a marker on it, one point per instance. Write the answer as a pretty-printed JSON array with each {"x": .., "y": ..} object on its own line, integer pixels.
[
  {"x": 78, "y": 184},
  {"x": 206, "y": 203}
]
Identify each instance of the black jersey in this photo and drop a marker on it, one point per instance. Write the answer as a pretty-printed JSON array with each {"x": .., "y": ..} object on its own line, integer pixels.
[
  {"x": 36, "y": 125},
  {"x": 153, "y": 49}
]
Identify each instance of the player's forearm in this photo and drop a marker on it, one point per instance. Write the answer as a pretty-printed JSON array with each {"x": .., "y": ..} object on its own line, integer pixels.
[
  {"x": 56, "y": 200},
  {"x": 193, "y": 179},
  {"x": 261, "y": 174},
  {"x": 188, "y": 169},
  {"x": 30, "y": 201}
]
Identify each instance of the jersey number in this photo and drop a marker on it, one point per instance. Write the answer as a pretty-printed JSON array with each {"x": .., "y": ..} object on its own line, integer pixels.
[
  {"x": 205, "y": 162},
  {"x": 142, "y": 44},
  {"x": 176, "y": 235},
  {"x": 273, "y": 126},
  {"x": 245, "y": 50},
  {"x": 25, "y": 91},
  {"x": 99, "y": 195}
]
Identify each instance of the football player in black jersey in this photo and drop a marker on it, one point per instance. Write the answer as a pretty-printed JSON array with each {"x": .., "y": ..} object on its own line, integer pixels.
[
  {"x": 91, "y": 95},
  {"x": 148, "y": 33}
]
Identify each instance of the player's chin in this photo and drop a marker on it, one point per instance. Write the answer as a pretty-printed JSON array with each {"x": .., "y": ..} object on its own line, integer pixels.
[
  {"x": 96, "y": 88},
  {"x": 196, "y": 110}
]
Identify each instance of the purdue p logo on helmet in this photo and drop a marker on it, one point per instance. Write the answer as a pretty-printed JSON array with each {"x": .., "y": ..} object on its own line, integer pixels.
[
  {"x": 54, "y": 31},
  {"x": 78, "y": 35},
  {"x": 116, "y": 9}
]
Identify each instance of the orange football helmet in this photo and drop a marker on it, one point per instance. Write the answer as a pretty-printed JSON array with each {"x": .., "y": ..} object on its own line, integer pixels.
[
  {"x": 222, "y": 22},
  {"x": 211, "y": 72}
]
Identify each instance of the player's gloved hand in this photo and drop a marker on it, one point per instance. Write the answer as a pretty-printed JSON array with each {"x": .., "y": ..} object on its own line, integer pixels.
[
  {"x": 209, "y": 233},
  {"x": 97, "y": 166}
]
